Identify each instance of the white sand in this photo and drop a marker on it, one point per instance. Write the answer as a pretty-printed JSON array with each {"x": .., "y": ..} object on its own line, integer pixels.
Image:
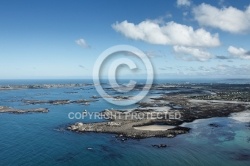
[
  {"x": 241, "y": 116},
  {"x": 155, "y": 127}
]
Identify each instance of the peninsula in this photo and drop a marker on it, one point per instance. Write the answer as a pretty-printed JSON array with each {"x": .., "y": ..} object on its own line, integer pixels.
[{"x": 191, "y": 102}]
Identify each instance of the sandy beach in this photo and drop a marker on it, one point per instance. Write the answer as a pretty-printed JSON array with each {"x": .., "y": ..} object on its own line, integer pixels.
[
  {"x": 155, "y": 127},
  {"x": 241, "y": 116}
]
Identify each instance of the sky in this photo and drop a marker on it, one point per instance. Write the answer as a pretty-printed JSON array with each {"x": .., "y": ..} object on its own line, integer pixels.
[{"x": 182, "y": 38}]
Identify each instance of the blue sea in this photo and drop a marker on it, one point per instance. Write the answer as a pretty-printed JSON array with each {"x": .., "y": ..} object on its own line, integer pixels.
[{"x": 41, "y": 138}]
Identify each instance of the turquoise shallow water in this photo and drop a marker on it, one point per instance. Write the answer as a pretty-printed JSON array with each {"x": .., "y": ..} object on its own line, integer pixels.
[{"x": 39, "y": 139}]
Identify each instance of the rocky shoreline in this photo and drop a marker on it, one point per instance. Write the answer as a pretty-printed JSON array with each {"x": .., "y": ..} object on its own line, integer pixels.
[
  {"x": 4, "y": 109},
  {"x": 182, "y": 102},
  {"x": 59, "y": 102},
  {"x": 126, "y": 129},
  {"x": 190, "y": 101}
]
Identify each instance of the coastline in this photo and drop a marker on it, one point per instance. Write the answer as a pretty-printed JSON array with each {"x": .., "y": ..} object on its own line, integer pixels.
[
  {"x": 192, "y": 101},
  {"x": 4, "y": 109},
  {"x": 187, "y": 102}
]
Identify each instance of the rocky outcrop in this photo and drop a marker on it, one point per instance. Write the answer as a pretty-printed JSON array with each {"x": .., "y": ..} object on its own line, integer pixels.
[
  {"x": 59, "y": 102},
  {"x": 4, "y": 109},
  {"x": 125, "y": 128},
  {"x": 125, "y": 122}
]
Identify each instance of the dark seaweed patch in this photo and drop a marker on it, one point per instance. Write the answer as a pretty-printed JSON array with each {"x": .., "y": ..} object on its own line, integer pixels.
[{"x": 65, "y": 158}]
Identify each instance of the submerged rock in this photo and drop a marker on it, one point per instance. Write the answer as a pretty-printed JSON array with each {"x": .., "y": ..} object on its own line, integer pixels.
[
  {"x": 160, "y": 146},
  {"x": 214, "y": 125}
]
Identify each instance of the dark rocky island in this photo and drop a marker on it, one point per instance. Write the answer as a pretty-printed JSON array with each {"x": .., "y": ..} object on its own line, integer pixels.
[
  {"x": 59, "y": 102},
  {"x": 4, "y": 109}
]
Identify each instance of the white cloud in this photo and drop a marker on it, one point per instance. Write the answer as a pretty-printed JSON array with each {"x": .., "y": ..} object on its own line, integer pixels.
[
  {"x": 82, "y": 43},
  {"x": 154, "y": 54},
  {"x": 227, "y": 19},
  {"x": 183, "y": 3},
  {"x": 185, "y": 13},
  {"x": 239, "y": 52},
  {"x": 232, "y": 70},
  {"x": 190, "y": 53},
  {"x": 214, "y": 71},
  {"x": 170, "y": 33},
  {"x": 217, "y": 70},
  {"x": 222, "y": 67}
]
